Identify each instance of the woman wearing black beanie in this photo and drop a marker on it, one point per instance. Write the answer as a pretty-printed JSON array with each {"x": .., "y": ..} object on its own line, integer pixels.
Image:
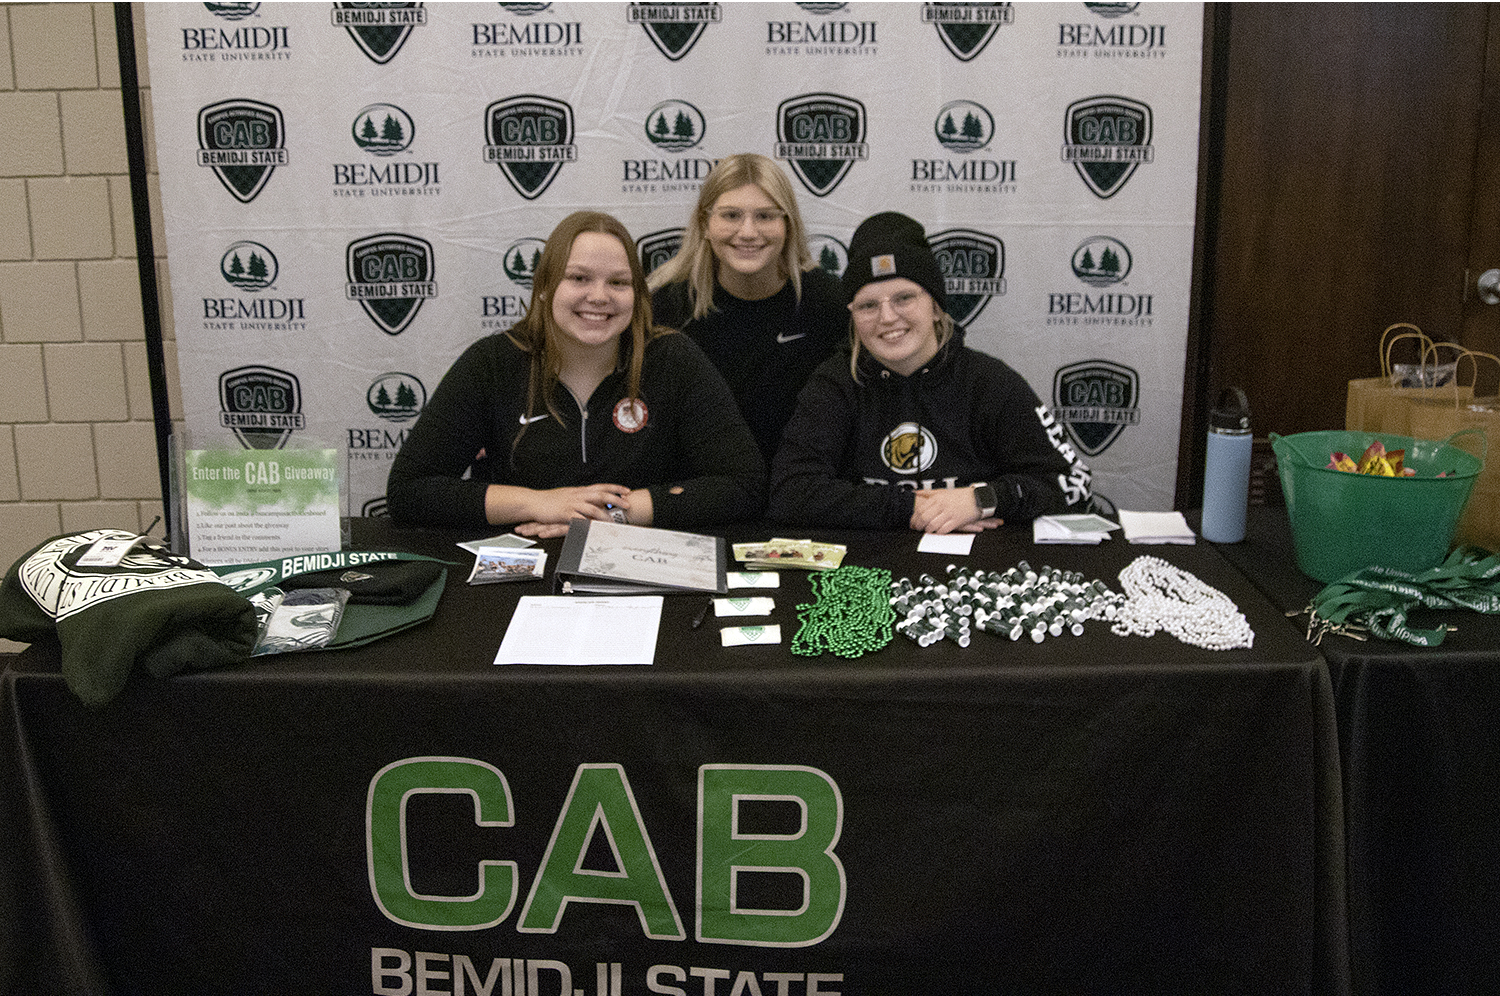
[{"x": 912, "y": 428}]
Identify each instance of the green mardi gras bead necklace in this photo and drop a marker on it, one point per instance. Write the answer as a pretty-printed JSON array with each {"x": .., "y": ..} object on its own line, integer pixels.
[{"x": 850, "y": 616}]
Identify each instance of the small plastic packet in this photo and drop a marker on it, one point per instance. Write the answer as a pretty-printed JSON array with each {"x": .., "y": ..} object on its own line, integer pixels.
[{"x": 304, "y": 619}]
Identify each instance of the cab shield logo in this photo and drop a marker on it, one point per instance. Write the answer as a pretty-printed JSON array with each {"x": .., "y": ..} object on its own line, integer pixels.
[
  {"x": 242, "y": 141},
  {"x": 529, "y": 137},
  {"x": 1096, "y": 400},
  {"x": 658, "y": 247},
  {"x": 1106, "y": 138},
  {"x": 674, "y": 28},
  {"x": 379, "y": 29},
  {"x": 966, "y": 28},
  {"x": 973, "y": 267},
  {"x": 821, "y": 135},
  {"x": 390, "y": 275},
  {"x": 262, "y": 405}
]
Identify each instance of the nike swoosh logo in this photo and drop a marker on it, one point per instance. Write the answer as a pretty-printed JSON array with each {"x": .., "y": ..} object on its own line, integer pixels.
[
  {"x": 783, "y": 337},
  {"x": 534, "y": 418}
]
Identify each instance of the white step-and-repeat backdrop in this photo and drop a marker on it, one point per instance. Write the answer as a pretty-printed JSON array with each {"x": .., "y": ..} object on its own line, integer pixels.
[{"x": 353, "y": 192}]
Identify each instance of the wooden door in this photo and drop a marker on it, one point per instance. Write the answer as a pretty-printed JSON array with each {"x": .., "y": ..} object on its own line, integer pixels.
[{"x": 1350, "y": 177}]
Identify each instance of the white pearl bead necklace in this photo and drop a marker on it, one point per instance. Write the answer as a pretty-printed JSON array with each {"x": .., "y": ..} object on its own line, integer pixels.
[{"x": 1160, "y": 596}]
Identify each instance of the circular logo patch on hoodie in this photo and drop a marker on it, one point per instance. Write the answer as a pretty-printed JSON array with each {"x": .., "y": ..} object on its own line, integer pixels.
[
  {"x": 630, "y": 415},
  {"x": 908, "y": 449}
]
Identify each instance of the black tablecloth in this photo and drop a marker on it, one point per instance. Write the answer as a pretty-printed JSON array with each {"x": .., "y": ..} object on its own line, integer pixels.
[
  {"x": 1092, "y": 814},
  {"x": 1421, "y": 761}
]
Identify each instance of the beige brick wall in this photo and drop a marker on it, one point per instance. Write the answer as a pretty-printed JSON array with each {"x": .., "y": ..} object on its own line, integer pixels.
[{"x": 77, "y": 444}]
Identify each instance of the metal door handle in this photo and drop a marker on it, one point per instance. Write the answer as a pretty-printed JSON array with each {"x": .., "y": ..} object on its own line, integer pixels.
[{"x": 1489, "y": 287}]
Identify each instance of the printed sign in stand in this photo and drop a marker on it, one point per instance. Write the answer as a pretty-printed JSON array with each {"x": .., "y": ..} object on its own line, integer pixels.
[{"x": 252, "y": 505}]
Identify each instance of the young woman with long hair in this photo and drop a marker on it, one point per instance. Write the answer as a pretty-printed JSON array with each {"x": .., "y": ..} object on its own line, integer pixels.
[{"x": 584, "y": 409}]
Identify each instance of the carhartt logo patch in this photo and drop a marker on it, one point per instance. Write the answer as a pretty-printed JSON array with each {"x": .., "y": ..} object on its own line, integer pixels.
[{"x": 883, "y": 266}]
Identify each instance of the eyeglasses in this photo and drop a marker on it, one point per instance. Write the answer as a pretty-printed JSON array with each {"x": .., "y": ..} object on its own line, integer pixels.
[
  {"x": 903, "y": 301},
  {"x": 760, "y": 217}
]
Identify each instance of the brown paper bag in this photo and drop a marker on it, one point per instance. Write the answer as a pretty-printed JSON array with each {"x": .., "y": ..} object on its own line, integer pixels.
[
  {"x": 1435, "y": 418},
  {"x": 1376, "y": 404}
]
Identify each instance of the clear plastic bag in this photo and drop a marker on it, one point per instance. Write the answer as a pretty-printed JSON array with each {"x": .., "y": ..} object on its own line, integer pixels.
[{"x": 304, "y": 619}]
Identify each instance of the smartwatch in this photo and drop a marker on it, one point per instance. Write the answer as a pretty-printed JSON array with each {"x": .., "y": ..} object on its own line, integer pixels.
[{"x": 984, "y": 497}]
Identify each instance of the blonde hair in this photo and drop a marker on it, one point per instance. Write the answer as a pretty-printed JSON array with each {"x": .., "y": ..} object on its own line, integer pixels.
[
  {"x": 695, "y": 262},
  {"x": 942, "y": 326},
  {"x": 537, "y": 332}
]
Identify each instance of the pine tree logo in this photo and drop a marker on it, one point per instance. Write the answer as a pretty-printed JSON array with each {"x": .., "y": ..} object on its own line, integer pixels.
[
  {"x": 1100, "y": 261},
  {"x": 396, "y": 397},
  {"x": 383, "y": 129},
  {"x": 964, "y": 126},
  {"x": 658, "y": 247},
  {"x": 829, "y": 253},
  {"x": 232, "y": 11},
  {"x": 249, "y": 266},
  {"x": 521, "y": 260},
  {"x": 674, "y": 125}
]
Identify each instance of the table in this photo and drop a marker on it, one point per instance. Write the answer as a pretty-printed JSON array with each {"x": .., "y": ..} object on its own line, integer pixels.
[
  {"x": 1092, "y": 814},
  {"x": 1421, "y": 762}
]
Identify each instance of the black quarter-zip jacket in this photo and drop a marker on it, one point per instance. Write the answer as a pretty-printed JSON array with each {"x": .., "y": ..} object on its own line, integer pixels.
[
  {"x": 693, "y": 438},
  {"x": 854, "y": 453}
]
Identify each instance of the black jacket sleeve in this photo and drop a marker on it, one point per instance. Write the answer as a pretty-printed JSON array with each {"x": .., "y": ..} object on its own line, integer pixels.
[
  {"x": 811, "y": 479},
  {"x": 426, "y": 485},
  {"x": 723, "y": 476},
  {"x": 1037, "y": 470}
]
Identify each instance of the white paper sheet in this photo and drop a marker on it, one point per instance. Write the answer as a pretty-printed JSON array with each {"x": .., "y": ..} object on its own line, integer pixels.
[
  {"x": 958, "y": 544},
  {"x": 566, "y": 629}
]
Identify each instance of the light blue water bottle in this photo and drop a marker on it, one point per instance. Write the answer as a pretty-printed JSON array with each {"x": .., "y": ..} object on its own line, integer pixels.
[{"x": 1226, "y": 470}]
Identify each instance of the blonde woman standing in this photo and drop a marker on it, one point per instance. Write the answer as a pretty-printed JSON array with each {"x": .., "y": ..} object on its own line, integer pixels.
[{"x": 745, "y": 288}]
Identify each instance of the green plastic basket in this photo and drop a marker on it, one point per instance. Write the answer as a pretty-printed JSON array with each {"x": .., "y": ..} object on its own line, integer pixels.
[{"x": 1343, "y": 522}]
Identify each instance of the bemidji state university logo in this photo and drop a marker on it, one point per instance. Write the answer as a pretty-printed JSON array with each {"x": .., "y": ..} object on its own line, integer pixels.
[
  {"x": 674, "y": 28},
  {"x": 966, "y": 28},
  {"x": 1106, "y": 138},
  {"x": 262, "y": 405},
  {"x": 390, "y": 275},
  {"x": 379, "y": 29},
  {"x": 973, "y": 268},
  {"x": 821, "y": 135},
  {"x": 529, "y": 137},
  {"x": 242, "y": 141}
]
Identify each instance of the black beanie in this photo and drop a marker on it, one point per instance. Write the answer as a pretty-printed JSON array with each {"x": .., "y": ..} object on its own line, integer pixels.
[{"x": 888, "y": 245}]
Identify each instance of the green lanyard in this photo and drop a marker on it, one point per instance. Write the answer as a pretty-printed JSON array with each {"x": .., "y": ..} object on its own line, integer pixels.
[{"x": 1379, "y": 599}]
